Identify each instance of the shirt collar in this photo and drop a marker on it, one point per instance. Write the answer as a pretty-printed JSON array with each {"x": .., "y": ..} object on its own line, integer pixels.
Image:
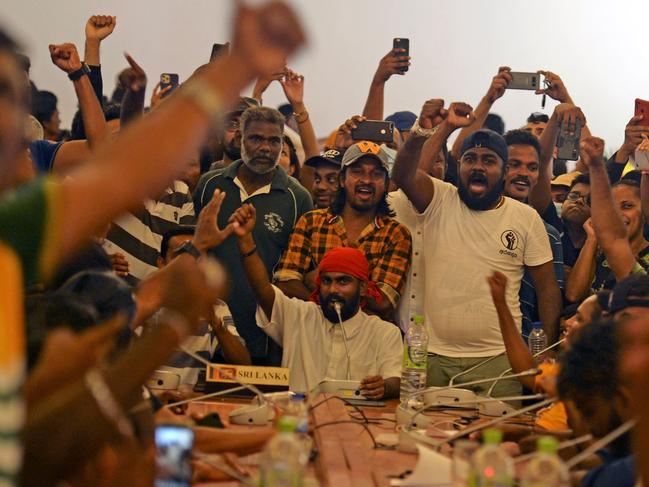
[
  {"x": 352, "y": 325},
  {"x": 279, "y": 181},
  {"x": 379, "y": 221}
]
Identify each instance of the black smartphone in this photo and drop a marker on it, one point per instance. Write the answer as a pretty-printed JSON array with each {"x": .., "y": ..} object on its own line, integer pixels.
[
  {"x": 401, "y": 43},
  {"x": 173, "y": 444},
  {"x": 524, "y": 81},
  {"x": 168, "y": 79},
  {"x": 374, "y": 130},
  {"x": 218, "y": 49},
  {"x": 568, "y": 143}
]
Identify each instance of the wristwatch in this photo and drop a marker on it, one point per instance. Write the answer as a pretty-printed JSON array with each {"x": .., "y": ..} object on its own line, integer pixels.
[
  {"x": 82, "y": 71},
  {"x": 188, "y": 247}
]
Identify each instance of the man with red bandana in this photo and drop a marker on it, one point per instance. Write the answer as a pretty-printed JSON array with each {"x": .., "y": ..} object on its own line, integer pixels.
[{"x": 329, "y": 337}]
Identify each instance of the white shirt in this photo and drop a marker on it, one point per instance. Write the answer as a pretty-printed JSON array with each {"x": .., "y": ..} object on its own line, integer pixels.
[
  {"x": 314, "y": 348},
  {"x": 463, "y": 247},
  {"x": 412, "y": 296}
]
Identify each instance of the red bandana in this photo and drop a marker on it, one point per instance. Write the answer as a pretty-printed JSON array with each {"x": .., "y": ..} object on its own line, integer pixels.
[{"x": 350, "y": 261}]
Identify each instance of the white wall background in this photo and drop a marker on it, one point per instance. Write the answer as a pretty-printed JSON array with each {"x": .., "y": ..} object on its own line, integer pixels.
[{"x": 599, "y": 47}]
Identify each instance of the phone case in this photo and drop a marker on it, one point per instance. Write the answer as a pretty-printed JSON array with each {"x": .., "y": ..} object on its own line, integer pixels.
[
  {"x": 402, "y": 43},
  {"x": 524, "y": 81},
  {"x": 568, "y": 145},
  {"x": 374, "y": 130},
  {"x": 642, "y": 108}
]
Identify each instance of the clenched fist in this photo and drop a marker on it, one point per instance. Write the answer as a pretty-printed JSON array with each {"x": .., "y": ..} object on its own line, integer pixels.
[{"x": 65, "y": 57}]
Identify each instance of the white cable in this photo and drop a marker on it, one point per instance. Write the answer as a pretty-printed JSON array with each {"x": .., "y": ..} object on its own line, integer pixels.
[
  {"x": 338, "y": 307},
  {"x": 560, "y": 446},
  {"x": 601, "y": 443}
]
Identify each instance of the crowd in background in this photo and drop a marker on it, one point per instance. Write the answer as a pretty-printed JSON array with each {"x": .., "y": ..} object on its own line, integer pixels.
[{"x": 209, "y": 219}]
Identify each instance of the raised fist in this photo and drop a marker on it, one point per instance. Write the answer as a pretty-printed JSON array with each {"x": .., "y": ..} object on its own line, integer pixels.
[
  {"x": 65, "y": 57},
  {"x": 460, "y": 115},
  {"x": 99, "y": 27},
  {"x": 432, "y": 113},
  {"x": 499, "y": 84},
  {"x": 592, "y": 151}
]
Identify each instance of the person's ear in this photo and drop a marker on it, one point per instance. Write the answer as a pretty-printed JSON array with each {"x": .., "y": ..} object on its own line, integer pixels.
[
  {"x": 623, "y": 404},
  {"x": 160, "y": 262},
  {"x": 363, "y": 288}
]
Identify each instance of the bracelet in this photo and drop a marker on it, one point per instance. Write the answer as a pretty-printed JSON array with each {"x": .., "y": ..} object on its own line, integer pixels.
[
  {"x": 203, "y": 95},
  {"x": 298, "y": 115},
  {"x": 249, "y": 253},
  {"x": 106, "y": 402}
]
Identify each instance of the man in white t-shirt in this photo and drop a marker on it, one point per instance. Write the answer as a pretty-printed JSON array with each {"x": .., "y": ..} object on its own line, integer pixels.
[
  {"x": 319, "y": 340},
  {"x": 470, "y": 231}
]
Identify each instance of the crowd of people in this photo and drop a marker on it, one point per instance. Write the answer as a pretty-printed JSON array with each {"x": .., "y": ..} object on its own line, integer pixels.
[{"x": 210, "y": 220}]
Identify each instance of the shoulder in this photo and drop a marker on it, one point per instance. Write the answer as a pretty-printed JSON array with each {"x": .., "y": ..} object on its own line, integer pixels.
[
  {"x": 395, "y": 228},
  {"x": 207, "y": 180},
  {"x": 299, "y": 190},
  {"x": 381, "y": 329}
]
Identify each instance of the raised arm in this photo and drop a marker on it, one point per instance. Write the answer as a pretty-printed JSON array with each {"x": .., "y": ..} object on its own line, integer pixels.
[
  {"x": 133, "y": 100},
  {"x": 418, "y": 185},
  {"x": 609, "y": 227},
  {"x": 244, "y": 220},
  {"x": 391, "y": 63},
  {"x": 634, "y": 133},
  {"x": 293, "y": 86},
  {"x": 98, "y": 27},
  {"x": 518, "y": 353},
  {"x": 496, "y": 90},
  {"x": 582, "y": 273}
]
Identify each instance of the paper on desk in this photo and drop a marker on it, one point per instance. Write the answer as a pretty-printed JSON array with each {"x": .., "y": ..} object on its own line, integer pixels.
[{"x": 432, "y": 469}]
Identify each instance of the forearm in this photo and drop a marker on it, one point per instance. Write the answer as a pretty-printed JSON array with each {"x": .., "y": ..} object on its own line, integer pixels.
[
  {"x": 132, "y": 106},
  {"x": 374, "y": 104},
  {"x": 257, "y": 275},
  {"x": 392, "y": 387},
  {"x": 518, "y": 353},
  {"x": 164, "y": 140},
  {"x": 549, "y": 299},
  {"x": 91, "y": 54},
  {"x": 541, "y": 195},
  {"x": 70, "y": 421},
  {"x": 480, "y": 112},
  {"x": 294, "y": 289},
  {"x": 232, "y": 349},
  {"x": 92, "y": 114},
  {"x": 307, "y": 133},
  {"x": 608, "y": 225},
  {"x": 581, "y": 275}
]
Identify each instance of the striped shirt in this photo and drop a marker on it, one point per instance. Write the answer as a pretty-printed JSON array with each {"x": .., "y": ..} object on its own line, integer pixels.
[{"x": 138, "y": 234}]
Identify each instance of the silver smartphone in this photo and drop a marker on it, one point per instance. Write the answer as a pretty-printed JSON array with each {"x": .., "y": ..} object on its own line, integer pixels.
[{"x": 524, "y": 81}]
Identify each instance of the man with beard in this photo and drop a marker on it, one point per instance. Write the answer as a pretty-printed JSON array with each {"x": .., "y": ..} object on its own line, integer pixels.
[
  {"x": 471, "y": 231},
  {"x": 359, "y": 217},
  {"x": 332, "y": 337},
  {"x": 521, "y": 177},
  {"x": 280, "y": 201}
]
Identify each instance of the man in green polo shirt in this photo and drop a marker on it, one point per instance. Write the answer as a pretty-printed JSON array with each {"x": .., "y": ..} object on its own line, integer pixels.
[{"x": 279, "y": 200}]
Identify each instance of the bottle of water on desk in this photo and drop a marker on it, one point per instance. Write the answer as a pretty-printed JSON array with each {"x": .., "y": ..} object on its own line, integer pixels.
[
  {"x": 415, "y": 358},
  {"x": 298, "y": 410},
  {"x": 546, "y": 469},
  {"x": 537, "y": 340},
  {"x": 491, "y": 465},
  {"x": 281, "y": 464}
]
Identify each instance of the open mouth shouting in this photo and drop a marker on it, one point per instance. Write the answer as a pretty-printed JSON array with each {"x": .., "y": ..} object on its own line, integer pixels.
[{"x": 477, "y": 184}]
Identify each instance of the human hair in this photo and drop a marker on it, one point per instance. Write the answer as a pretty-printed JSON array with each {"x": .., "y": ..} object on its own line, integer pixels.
[
  {"x": 522, "y": 137},
  {"x": 261, "y": 114},
  {"x": 629, "y": 183},
  {"x": 292, "y": 154},
  {"x": 7, "y": 43},
  {"x": 581, "y": 179},
  {"x": 494, "y": 122},
  {"x": 174, "y": 232},
  {"x": 538, "y": 117},
  {"x": 112, "y": 111},
  {"x": 338, "y": 204},
  {"x": 603, "y": 298},
  {"x": 590, "y": 365},
  {"x": 44, "y": 106}
]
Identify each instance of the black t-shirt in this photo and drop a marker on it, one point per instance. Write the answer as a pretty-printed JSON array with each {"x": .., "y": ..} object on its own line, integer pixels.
[{"x": 604, "y": 276}]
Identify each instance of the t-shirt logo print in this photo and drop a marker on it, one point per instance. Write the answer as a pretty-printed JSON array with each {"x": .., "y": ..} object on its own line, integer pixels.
[
  {"x": 273, "y": 222},
  {"x": 509, "y": 239}
]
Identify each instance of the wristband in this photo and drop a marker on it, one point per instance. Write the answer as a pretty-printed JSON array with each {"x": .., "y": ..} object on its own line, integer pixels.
[
  {"x": 106, "y": 402},
  {"x": 84, "y": 70},
  {"x": 417, "y": 130},
  {"x": 304, "y": 114},
  {"x": 249, "y": 253},
  {"x": 189, "y": 248}
]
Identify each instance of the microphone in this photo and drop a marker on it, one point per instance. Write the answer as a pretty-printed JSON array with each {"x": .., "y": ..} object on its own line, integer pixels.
[
  {"x": 554, "y": 345},
  {"x": 601, "y": 443},
  {"x": 338, "y": 308},
  {"x": 250, "y": 414}
]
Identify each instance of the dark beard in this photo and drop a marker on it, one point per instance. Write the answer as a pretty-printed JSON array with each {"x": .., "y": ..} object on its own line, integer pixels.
[
  {"x": 234, "y": 153},
  {"x": 349, "y": 307},
  {"x": 482, "y": 203}
]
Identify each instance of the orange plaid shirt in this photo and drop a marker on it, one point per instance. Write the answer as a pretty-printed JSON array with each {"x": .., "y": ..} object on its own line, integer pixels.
[{"x": 385, "y": 242}]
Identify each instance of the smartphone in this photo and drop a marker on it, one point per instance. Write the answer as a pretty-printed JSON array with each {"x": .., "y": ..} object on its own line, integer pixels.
[
  {"x": 218, "y": 49},
  {"x": 400, "y": 43},
  {"x": 642, "y": 108},
  {"x": 374, "y": 130},
  {"x": 568, "y": 144},
  {"x": 524, "y": 81},
  {"x": 168, "y": 79},
  {"x": 173, "y": 444}
]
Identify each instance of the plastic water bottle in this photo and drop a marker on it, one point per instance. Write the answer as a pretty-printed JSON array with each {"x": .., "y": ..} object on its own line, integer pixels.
[
  {"x": 546, "y": 469},
  {"x": 491, "y": 465},
  {"x": 281, "y": 464},
  {"x": 415, "y": 358},
  {"x": 298, "y": 410},
  {"x": 537, "y": 340}
]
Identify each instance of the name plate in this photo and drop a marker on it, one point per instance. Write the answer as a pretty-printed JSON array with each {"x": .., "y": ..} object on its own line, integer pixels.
[{"x": 267, "y": 379}]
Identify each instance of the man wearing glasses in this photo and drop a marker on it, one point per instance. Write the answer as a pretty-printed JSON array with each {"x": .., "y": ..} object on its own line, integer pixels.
[
  {"x": 574, "y": 213},
  {"x": 279, "y": 202}
]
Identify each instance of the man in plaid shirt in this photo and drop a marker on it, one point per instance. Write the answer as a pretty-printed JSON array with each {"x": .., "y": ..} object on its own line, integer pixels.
[{"x": 359, "y": 217}]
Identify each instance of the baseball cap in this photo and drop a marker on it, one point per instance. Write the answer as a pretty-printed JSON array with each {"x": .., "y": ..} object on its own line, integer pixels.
[
  {"x": 365, "y": 148},
  {"x": 402, "y": 120},
  {"x": 630, "y": 291},
  {"x": 332, "y": 156},
  {"x": 488, "y": 139},
  {"x": 565, "y": 179}
]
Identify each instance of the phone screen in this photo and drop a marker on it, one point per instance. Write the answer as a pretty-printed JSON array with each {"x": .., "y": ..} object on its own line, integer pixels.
[
  {"x": 402, "y": 43},
  {"x": 173, "y": 455}
]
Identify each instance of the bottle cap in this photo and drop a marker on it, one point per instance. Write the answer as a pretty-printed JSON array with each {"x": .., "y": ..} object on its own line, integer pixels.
[
  {"x": 419, "y": 319},
  {"x": 298, "y": 396},
  {"x": 537, "y": 325},
  {"x": 547, "y": 444},
  {"x": 286, "y": 424},
  {"x": 492, "y": 436}
]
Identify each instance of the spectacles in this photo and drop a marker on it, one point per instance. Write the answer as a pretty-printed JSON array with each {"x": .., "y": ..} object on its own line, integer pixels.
[{"x": 574, "y": 196}]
